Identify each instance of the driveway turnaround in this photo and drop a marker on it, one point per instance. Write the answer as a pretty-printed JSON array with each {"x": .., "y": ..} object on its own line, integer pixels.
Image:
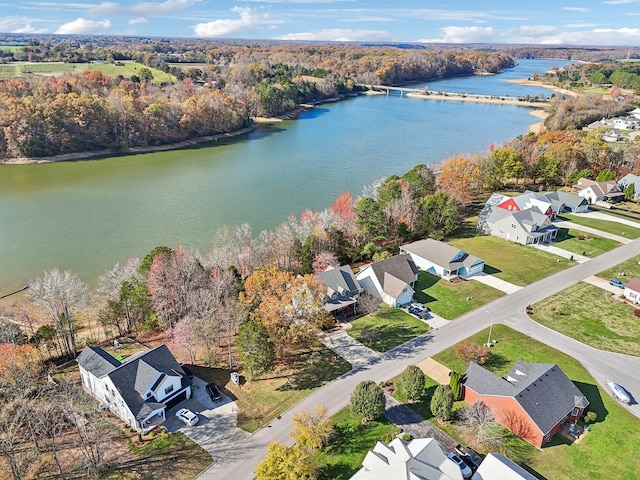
[
  {"x": 240, "y": 463},
  {"x": 216, "y": 430},
  {"x": 496, "y": 283}
]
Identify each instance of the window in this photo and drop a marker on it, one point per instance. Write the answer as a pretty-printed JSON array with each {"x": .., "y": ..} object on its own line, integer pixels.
[
  {"x": 513, "y": 225},
  {"x": 575, "y": 412},
  {"x": 168, "y": 390}
]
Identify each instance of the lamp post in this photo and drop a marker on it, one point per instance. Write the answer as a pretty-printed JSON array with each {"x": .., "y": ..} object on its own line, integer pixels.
[{"x": 488, "y": 344}]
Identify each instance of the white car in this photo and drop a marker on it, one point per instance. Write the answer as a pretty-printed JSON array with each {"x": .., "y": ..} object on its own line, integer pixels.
[{"x": 187, "y": 416}]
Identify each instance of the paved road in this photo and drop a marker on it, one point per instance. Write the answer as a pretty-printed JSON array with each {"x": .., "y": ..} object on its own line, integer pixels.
[{"x": 509, "y": 309}]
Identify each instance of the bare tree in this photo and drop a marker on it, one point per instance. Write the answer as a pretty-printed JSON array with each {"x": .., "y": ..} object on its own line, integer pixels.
[
  {"x": 368, "y": 303},
  {"x": 477, "y": 414},
  {"x": 57, "y": 294},
  {"x": 232, "y": 319},
  {"x": 14, "y": 438}
]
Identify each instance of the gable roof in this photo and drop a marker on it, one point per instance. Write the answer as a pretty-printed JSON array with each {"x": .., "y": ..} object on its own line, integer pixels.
[
  {"x": 340, "y": 280},
  {"x": 135, "y": 375},
  {"x": 633, "y": 284},
  {"x": 399, "y": 267},
  {"x": 497, "y": 466},
  {"x": 601, "y": 189},
  {"x": 561, "y": 198},
  {"x": 441, "y": 254},
  {"x": 96, "y": 361},
  {"x": 543, "y": 390}
]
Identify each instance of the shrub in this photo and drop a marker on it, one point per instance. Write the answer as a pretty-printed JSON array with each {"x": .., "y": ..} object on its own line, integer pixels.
[
  {"x": 411, "y": 383},
  {"x": 470, "y": 352},
  {"x": 591, "y": 416},
  {"x": 442, "y": 403},
  {"x": 406, "y": 437},
  {"x": 455, "y": 382},
  {"x": 367, "y": 400}
]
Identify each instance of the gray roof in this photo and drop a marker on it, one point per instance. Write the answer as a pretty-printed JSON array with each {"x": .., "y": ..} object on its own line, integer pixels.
[
  {"x": 441, "y": 254},
  {"x": 609, "y": 188},
  {"x": 399, "y": 266},
  {"x": 135, "y": 375},
  {"x": 97, "y": 362},
  {"x": 560, "y": 198},
  {"x": 543, "y": 390},
  {"x": 340, "y": 280}
]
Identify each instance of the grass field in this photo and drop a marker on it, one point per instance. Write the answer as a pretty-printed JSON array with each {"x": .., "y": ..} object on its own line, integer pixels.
[
  {"x": 612, "y": 443},
  {"x": 386, "y": 328},
  {"x": 630, "y": 268},
  {"x": 510, "y": 261},
  {"x": 583, "y": 312},
  {"x": 127, "y": 69},
  {"x": 452, "y": 299},
  {"x": 351, "y": 443},
  {"x": 10, "y": 48},
  {"x": 583, "y": 243},
  {"x": 260, "y": 401},
  {"x": 604, "y": 225}
]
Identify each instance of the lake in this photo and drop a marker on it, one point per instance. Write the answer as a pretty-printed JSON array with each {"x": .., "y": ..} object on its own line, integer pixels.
[{"x": 87, "y": 215}]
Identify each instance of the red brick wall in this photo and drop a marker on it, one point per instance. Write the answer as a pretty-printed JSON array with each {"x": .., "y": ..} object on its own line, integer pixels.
[{"x": 508, "y": 413}]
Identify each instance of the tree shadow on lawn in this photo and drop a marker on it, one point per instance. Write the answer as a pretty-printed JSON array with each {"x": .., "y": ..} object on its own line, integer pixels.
[
  {"x": 563, "y": 234},
  {"x": 314, "y": 369},
  {"x": 496, "y": 362},
  {"x": 592, "y": 392}
]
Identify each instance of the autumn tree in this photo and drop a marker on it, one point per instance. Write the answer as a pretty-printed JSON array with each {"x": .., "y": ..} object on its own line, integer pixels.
[
  {"x": 412, "y": 382},
  {"x": 20, "y": 366},
  {"x": 257, "y": 352},
  {"x": 287, "y": 463},
  {"x": 472, "y": 352},
  {"x": 459, "y": 178},
  {"x": 312, "y": 430},
  {"x": 57, "y": 294},
  {"x": 368, "y": 400},
  {"x": 442, "y": 403}
]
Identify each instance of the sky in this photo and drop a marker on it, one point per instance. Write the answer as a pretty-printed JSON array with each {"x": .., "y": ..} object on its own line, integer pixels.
[{"x": 544, "y": 22}]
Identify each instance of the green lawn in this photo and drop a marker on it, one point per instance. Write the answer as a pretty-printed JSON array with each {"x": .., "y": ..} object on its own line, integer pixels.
[
  {"x": 630, "y": 268},
  {"x": 511, "y": 261},
  {"x": 452, "y": 299},
  {"x": 612, "y": 444},
  {"x": 351, "y": 443},
  {"x": 10, "y": 48},
  {"x": 582, "y": 243},
  {"x": 127, "y": 69},
  {"x": 387, "y": 328},
  {"x": 604, "y": 225},
  {"x": 261, "y": 400},
  {"x": 585, "y": 313}
]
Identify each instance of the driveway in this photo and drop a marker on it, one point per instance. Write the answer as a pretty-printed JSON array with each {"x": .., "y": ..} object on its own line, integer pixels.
[
  {"x": 349, "y": 348},
  {"x": 604, "y": 284},
  {"x": 609, "y": 218},
  {"x": 593, "y": 231},
  {"x": 561, "y": 252},
  {"x": 495, "y": 282},
  {"x": 216, "y": 430}
]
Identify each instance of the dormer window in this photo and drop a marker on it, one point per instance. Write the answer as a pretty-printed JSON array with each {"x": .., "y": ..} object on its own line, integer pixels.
[
  {"x": 149, "y": 395},
  {"x": 168, "y": 390}
]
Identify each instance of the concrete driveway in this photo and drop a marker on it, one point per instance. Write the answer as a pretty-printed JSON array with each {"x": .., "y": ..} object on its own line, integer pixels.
[{"x": 216, "y": 430}]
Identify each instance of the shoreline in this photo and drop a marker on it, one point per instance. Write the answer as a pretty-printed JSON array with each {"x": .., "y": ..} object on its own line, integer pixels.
[
  {"x": 497, "y": 100},
  {"x": 537, "y": 83}
]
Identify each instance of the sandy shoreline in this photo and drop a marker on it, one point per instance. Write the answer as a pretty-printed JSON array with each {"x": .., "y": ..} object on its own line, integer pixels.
[{"x": 536, "y": 83}]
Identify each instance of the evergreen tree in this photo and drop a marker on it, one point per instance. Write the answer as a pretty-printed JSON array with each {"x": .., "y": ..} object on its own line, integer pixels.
[
  {"x": 411, "y": 382},
  {"x": 257, "y": 352},
  {"x": 367, "y": 400},
  {"x": 442, "y": 403}
]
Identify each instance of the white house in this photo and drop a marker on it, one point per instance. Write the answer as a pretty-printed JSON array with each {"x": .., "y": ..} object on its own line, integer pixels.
[
  {"x": 631, "y": 179},
  {"x": 632, "y": 290},
  {"x": 599, "y": 191},
  {"x": 442, "y": 259},
  {"x": 496, "y": 466},
  {"x": 138, "y": 389},
  {"x": 391, "y": 279}
]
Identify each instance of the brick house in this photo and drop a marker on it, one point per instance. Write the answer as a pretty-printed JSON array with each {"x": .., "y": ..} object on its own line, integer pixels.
[{"x": 533, "y": 400}]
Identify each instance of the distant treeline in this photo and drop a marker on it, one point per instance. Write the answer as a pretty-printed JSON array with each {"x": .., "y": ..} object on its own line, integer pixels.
[{"x": 44, "y": 116}]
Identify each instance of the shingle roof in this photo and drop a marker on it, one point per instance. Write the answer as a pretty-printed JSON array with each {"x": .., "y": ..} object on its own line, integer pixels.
[
  {"x": 339, "y": 280},
  {"x": 96, "y": 361},
  {"x": 543, "y": 391},
  {"x": 399, "y": 266},
  {"x": 562, "y": 198},
  {"x": 135, "y": 375},
  {"x": 633, "y": 284},
  {"x": 441, "y": 254}
]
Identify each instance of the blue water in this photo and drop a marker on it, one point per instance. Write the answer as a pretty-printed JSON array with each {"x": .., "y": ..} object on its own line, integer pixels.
[{"x": 87, "y": 215}]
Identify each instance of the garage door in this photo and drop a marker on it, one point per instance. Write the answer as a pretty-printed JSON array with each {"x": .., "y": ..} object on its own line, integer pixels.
[{"x": 176, "y": 400}]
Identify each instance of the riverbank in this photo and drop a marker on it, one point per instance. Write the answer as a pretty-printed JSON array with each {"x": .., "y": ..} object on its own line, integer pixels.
[
  {"x": 536, "y": 83},
  {"x": 538, "y": 127},
  {"x": 461, "y": 97},
  {"x": 67, "y": 157}
]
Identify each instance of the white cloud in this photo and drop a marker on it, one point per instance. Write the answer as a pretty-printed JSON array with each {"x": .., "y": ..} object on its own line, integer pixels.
[
  {"x": 249, "y": 20},
  {"x": 80, "y": 25},
  {"x": 620, "y": 2},
  {"x": 141, "y": 8},
  {"x": 577, "y": 9},
  {"x": 341, "y": 35},
  {"x": 464, "y": 35},
  {"x": 28, "y": 28},
  {"x": 135, "y": 21}
]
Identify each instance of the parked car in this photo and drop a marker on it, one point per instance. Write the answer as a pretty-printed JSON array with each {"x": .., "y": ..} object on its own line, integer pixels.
[
  {"x": 464, "y": 468},
  {"x": 618, "y": 392},
  {"x": 419, "y": 310},
  {"x": 213, "y": 392},
  {"x": 187, "y": 416},
  {"x": 616, "y": 283}
]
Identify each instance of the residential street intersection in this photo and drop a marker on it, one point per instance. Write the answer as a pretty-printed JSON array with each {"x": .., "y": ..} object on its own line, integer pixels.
[{"x": 240, "y": 463}]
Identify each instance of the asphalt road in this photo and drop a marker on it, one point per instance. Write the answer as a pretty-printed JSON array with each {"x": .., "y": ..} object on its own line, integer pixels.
[{"x": 509, "y": 310}]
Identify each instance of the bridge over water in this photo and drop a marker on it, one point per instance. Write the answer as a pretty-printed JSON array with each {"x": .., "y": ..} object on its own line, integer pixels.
[{"x": 426, "y": 94}]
